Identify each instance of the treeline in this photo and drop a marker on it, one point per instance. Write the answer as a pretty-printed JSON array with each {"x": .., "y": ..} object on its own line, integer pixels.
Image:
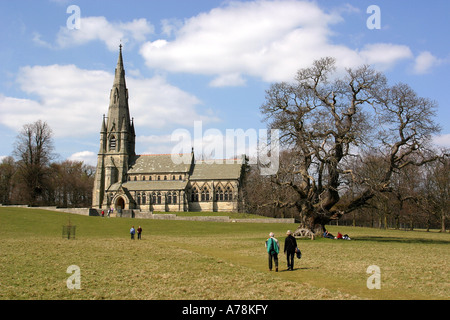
[
  {"x": 31, "y": 176},
  {"x": 418, "y": 197}
]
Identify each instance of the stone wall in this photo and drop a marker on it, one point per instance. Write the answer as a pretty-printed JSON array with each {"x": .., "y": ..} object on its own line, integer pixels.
[{"x": 137, "y": 214}]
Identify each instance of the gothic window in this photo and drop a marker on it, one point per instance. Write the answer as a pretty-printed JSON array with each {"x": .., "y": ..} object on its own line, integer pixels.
[
  {"x": 144, "y": 198},
  {"x": 135, "y": 178},
  {"x": 116, "y": 96},
  {"x": 154, "y": 197},
  {"x": 158, "y": 198},
  {"x": 219, "y": 194},
  {"x": 139, "y": 198},
  {"x": 228, "y": 195},
  {"x": 179, "y": 178},
  {"x": 159, "y": 177},
  {"x": 174, "y": 197},
  {"x": 173, "y": 177},
  {"x": 194, "y": 195},
  {"x": 112, "y": 143},
  {"x": 165, "y": 177},
  {"x": 150, "y": 178},
  {"x": 205, "y": 194},
  {"x": 143, "y": 178}
]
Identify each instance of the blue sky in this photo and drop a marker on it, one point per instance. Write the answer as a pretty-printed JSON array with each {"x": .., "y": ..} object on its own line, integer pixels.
[{"x": 199, "y": 60}]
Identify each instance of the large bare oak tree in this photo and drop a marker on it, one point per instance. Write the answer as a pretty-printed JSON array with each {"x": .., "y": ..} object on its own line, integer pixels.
[{"x": 328, "y": 121}]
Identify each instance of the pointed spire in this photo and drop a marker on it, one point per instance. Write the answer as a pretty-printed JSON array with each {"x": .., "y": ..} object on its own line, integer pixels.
[
  {"x": 103, "y": 129},
  {"x": 119, "y": 78}
]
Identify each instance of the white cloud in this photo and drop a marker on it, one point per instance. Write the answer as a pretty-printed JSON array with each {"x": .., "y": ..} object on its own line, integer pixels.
[
  {"x": 424, "y": 62},
  {"x": 225, "y": 80},
  {"x": 37, "y": 39},
  {"x": 99, "y": 28},
  {"x": 385, "y": 55},
  {"x": 158, "y": 104},
  {"x": 88, "y": 157},
  {"x": 72, "y": 100},
  {"x": 265, "y": 39}
]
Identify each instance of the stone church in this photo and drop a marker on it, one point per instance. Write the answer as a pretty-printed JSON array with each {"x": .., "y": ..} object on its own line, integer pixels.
[{"x": 124, "y": 180}]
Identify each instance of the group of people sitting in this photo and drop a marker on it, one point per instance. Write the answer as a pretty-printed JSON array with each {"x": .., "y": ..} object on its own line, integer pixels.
[{"x": 326, "y": 234}]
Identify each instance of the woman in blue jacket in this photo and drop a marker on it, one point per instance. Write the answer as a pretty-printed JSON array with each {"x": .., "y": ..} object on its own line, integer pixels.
[{"x": 273, "y": 248}]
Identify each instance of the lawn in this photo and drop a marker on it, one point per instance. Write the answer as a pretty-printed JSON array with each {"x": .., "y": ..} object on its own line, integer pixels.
[{"x": 210, "y": 260}]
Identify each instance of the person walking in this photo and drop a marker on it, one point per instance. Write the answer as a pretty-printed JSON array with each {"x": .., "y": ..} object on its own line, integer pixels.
[
  {"x": 273, "y": 248},
  {"x": 132, "y": 232},
  {"x": 139, "y": 232},
  {"x": 290, "y": 245}
]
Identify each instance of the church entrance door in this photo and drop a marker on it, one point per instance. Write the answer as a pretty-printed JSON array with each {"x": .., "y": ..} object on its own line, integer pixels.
[{"x": 120, "y": 204}]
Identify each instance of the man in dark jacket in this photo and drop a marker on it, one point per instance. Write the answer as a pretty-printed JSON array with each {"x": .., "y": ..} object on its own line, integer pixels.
[{"x": 290, "y": 244}]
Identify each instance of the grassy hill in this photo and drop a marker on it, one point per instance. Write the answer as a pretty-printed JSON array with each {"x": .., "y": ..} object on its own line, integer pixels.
[{"x": 210, "y": 260}]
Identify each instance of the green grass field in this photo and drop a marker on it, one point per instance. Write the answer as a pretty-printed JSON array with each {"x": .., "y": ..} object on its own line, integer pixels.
[{"x": 210, "y": 260}]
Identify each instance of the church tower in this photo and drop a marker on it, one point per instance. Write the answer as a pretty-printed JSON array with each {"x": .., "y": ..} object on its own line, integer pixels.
[{"x": 117, "y": 140}]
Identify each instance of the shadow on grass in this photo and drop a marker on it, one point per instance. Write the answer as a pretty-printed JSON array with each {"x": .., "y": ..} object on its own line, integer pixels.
[
  {"x": 298, "y": 268},
  {"x": 399, "y": 240}
]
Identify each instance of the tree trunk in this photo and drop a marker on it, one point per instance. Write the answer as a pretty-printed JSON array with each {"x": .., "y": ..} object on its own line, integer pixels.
[{"x": 442, "y": 220}]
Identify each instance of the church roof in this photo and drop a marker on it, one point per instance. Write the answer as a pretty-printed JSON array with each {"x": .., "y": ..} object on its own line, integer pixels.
[
  {"x": 158, "y": 163},
  {"x": 151, "y": 185},
  {"x": 202, "y": 170},
  {"x": 225, "y": 169}
]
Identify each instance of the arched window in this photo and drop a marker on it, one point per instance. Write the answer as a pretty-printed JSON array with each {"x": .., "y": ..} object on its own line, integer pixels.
[
  {"x": 143, "y": 178},
  {"x": 174, "y": 197},
  {"x": 228, "y": 195},
  {"x": 154, "y": 198},
  {"x": 150, "y": 178},
  {"x": 169, "y": 197},
  {"x": 139, "y": 198},
  {"x": 144, "y": 198},
  {"x": 112, "y": 143},
  {"x": 205, "y": 194},
  {"x": 158, "y": 198},
  {"x": 194, "y": 195},
  {"x": 179, "y": 178},
  {"x": 219, "y": 194}
]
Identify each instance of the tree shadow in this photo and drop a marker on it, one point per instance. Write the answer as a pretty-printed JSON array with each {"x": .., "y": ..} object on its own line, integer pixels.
[{"x": 401, "y": 240}]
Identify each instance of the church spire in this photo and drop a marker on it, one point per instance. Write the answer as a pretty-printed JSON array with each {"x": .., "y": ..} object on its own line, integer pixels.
[
  {"x": 119, "y": 78},
  {"x": 118, "y": 112}
]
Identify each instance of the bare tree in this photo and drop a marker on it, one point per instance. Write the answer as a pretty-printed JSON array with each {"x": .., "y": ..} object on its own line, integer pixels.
[
  {"x": 33, "y": 150},
  {"x": 8, "y": 170},
  {"x": 327, "y": 120},
  {"x": 435, "y": 195},
  {"x": 72, "y": 183}
]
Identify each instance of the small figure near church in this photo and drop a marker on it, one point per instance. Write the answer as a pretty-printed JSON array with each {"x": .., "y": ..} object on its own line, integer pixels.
[
  {"x": 290, "y": 246},
  {"x": 273, "y": 248},
  {"x": 132, "y": 232},
  {"x": 139, "y": 232}
]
